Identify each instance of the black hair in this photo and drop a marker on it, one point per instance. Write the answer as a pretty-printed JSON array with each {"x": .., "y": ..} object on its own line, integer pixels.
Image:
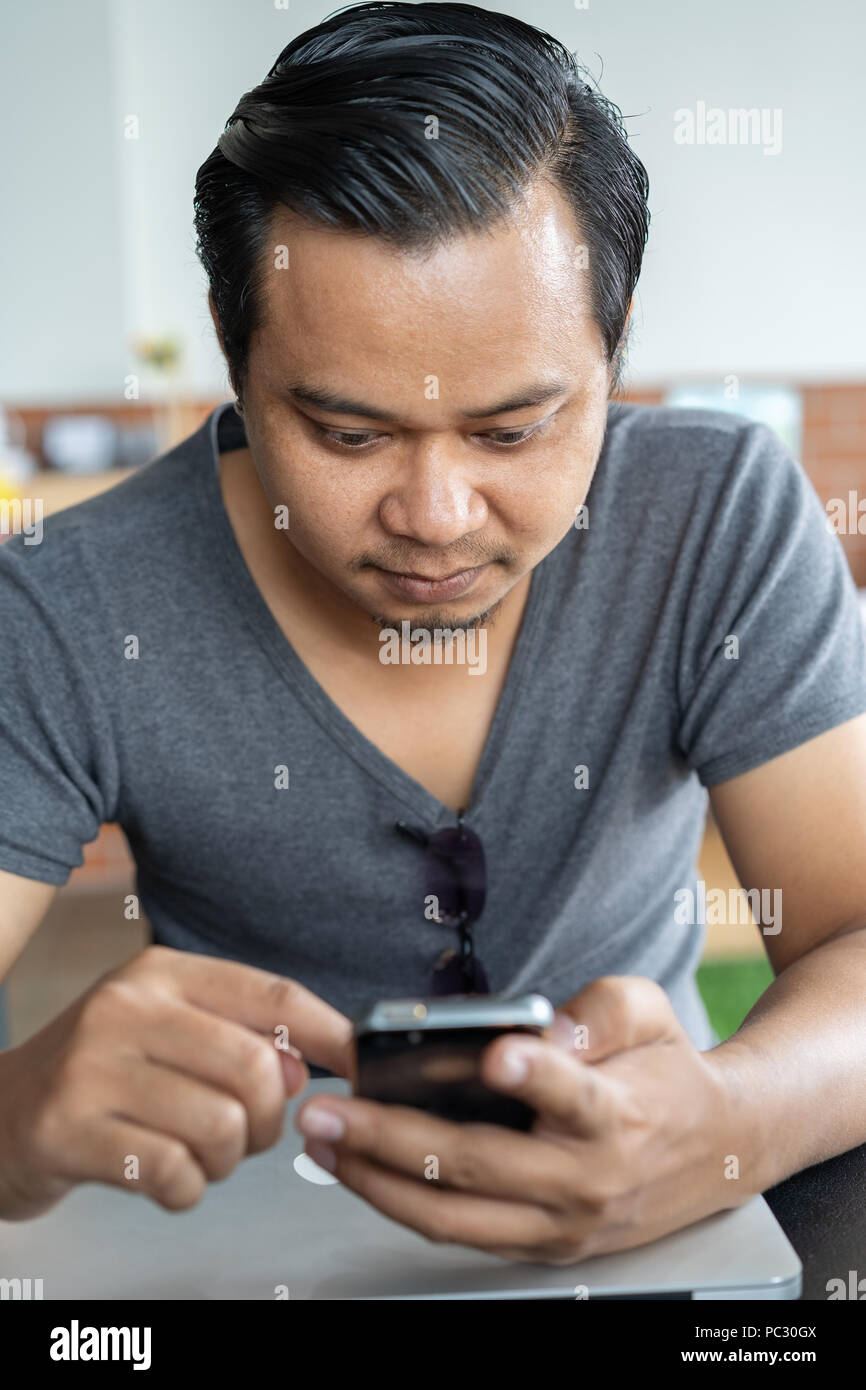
[{"x": 339, "y": 132}]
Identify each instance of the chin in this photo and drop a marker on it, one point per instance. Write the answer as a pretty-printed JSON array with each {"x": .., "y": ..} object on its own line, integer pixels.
[{"x": 437, "y": 619}]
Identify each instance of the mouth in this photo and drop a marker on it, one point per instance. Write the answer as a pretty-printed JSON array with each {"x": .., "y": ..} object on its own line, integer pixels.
[{"x": 429, "y": 589}]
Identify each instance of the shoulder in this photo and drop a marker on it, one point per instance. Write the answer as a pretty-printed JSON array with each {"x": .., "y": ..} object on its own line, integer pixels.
[
  {"x": 128, "y": 530},
  {"x": 699, "y": 439},
  {"x": 708, "y": 458}
]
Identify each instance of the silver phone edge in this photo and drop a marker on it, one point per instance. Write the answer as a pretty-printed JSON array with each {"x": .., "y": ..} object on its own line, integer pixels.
[{"x": 470, "y": 1011}]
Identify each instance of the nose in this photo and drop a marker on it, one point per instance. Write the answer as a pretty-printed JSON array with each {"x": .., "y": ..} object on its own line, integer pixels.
[{"x": 434, "y": 501}]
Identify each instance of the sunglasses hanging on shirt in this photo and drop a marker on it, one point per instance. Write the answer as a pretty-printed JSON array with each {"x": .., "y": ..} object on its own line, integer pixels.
[{"x": 456, "y": 878}]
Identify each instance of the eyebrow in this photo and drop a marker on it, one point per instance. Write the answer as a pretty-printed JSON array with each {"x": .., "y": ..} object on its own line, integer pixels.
[{"x": 537, "y": 394}]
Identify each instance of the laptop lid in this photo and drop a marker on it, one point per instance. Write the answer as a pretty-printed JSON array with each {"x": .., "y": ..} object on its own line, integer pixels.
[{"x": 280, "y": 1227}]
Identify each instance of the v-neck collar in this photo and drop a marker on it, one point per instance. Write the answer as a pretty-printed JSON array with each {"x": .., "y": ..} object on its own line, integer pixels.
[{"x": 423, "y": 804}]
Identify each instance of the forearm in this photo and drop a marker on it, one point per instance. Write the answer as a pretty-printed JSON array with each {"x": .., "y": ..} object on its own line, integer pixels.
[{"x": 796, "y": 1068}]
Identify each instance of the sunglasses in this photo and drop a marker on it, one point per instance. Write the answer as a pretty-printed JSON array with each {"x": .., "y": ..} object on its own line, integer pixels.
[{"x": 456, "y": 879}]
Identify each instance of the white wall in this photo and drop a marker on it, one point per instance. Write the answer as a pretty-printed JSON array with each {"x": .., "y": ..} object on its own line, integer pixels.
[
  {"x": 753, "y": 264},
  {"x": 61, "y": 256},
  {"x": 181, "y": 69}
]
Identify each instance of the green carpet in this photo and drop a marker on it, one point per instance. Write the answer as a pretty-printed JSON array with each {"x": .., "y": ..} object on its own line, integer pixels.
[{"x": 729, "y": 988}]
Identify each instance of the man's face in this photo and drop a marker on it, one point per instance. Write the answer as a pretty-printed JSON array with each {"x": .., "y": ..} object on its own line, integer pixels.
[{"x": 380, "y": 408}]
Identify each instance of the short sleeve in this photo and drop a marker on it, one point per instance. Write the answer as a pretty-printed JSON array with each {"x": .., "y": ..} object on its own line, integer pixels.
[
  {"x": 772, "y": 651},
  {"x": 57, "y": 769}
]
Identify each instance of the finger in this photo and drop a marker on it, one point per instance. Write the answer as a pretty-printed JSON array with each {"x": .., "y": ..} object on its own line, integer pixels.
[
  {"x": 615, "y": 1013},
  {"x": 267, "y": 1003},
  {"x": 478, "y": 1158},
  {"x": 229, "y": 1057},
  {"x": 209, "y": 1123},
  {"x": 443, "y": 1215},
  {"x": 567, "y": 1093},
  {"x": 126, "y": 1155}
]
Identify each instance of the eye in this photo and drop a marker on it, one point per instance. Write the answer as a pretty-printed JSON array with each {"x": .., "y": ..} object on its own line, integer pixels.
[
  {"x": 357, "y": 440},
  {"x": 343, "y": 439},
  {"x": 512, "y": 438},
  {"x": 507, "y": 439}
]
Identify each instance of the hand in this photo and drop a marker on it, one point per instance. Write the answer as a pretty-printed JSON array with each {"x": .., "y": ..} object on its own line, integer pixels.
[
  {"x": 633, "y": 1139},
  {"x": 159, "y": 1080}
]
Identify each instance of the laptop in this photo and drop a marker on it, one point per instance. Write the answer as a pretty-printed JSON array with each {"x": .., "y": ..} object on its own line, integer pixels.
[{"x": 280, "y": 1227}]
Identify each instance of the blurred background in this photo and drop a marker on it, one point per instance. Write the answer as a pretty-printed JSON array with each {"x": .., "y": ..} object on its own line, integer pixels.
[{"x": 749, "y": 119}]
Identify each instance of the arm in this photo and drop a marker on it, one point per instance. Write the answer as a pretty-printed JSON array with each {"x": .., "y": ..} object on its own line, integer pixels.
[
  {"x": 23, "y": 904},
  {"x": 797, "y": 1065},
  {"x": 636, "y": 1130},
  {"x": 178, "y": 1060}
]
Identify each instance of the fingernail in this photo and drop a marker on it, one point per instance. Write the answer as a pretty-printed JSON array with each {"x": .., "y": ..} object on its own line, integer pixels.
[
  {"x": 514, "y": 1066},
  {"x": 322, "y": 1154},
  {"x": 320, "y": 1123}
]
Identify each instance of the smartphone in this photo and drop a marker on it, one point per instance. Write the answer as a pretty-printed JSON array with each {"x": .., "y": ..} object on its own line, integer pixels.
[{"x": 425, "y": 1053}]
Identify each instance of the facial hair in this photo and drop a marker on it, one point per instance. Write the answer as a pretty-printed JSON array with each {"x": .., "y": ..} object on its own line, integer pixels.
[{"x": 440, "y": 620}]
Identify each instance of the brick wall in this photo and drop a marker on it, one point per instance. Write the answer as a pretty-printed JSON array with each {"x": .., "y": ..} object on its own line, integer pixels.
[{"x": 834, "y": 454}]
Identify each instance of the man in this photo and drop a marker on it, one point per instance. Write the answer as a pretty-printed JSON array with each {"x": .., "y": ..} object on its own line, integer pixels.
[{"x": 422, "y": 235}]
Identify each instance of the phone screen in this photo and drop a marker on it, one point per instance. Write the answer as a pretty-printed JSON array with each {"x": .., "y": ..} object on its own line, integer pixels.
[{"x": 438, "y": 1071}]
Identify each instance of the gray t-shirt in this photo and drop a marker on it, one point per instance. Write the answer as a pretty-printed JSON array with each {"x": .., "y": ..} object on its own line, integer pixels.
[{"x": 701, "y": 527}]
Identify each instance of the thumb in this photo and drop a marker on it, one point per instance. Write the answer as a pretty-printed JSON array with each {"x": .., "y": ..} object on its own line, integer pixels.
[{"x": 613, "y": 1014}]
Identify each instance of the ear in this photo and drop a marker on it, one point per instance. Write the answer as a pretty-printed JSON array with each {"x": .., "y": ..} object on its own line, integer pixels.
[
  {"x": 216, "y": 322},
  {"x": 627, "y": 318},
  {"x": 616, "y": 365}
]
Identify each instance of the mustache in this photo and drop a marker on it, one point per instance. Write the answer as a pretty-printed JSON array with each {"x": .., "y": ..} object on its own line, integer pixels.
[{"x": 401, "y": 563}]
